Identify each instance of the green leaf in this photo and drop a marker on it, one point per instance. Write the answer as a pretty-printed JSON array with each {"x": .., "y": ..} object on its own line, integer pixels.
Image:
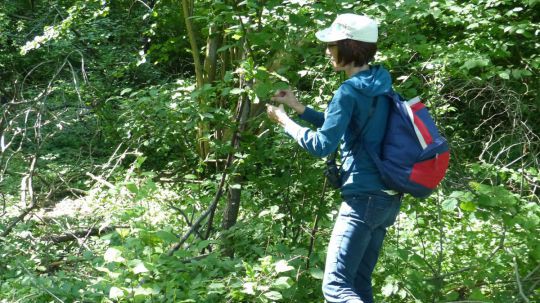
[
  {"x": 389, "y": 289},
  {"x": 477, "y": 295},
  {"x": 282, "y": 283},
  {"x": 137, "y": 266},
  {"x": 216, "y": 286},
  {"x": 316, "y": 273},
  {"x": 116, "y": 293},
  {"x": 470, "y": 64},
  {"x": 505, "y": 74},
  {"x": 449, "y": 204},
  {"x": 467, "y": 206},
  {"x": 282, "y": 266},
  {"x": 125, "y": 91},
  {"x": 273, "y": 295},
  {"x": 166, "y": 236},
  {"x": 202, "y": 244},
  {"x": 132, "y": 187},
  {"x": 236, "y": 91},
  {"x": 113, "y": 255},
  {"x": 144, "y": 292}
]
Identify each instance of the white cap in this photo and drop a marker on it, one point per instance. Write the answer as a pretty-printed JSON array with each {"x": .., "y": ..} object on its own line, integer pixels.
[{"x": 350, "y": 26}]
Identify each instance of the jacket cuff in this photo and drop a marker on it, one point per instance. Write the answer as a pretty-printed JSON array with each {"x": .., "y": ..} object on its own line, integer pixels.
[
  {"x": 309, "y": 114},
  {"x": 294, "y": 130}
]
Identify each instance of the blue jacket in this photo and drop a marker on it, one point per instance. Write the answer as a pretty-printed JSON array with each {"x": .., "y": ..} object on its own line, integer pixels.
[{"x": 345, "y": 118}]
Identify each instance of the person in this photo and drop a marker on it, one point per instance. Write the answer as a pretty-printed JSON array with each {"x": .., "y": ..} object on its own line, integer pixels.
[{"x": 357, "y": 113}]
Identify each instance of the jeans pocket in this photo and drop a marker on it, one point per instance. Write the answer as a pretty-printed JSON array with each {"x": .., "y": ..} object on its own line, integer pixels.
[{"x": 381, "y": 211}]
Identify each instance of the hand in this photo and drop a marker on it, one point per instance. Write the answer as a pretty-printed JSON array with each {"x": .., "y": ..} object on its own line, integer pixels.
[
  {"x": 285, "y": 96},
  {"x": 277, "y": 114}
]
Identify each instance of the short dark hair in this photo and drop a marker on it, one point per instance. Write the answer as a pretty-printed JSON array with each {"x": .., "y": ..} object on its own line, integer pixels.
[{"x": 358, "y": 52}]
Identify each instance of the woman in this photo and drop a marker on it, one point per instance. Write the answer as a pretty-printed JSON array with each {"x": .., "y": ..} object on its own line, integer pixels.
[{"x": 358, "y": 112}]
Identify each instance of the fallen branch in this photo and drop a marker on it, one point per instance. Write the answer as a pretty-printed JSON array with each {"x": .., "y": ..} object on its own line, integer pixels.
[
  {"x": 17, "y": 220},
  {"x": 75, "y": 235},
  {"x": 54, "y": 266}
]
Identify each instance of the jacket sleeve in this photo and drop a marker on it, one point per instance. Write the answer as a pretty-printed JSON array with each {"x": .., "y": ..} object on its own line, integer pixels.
[
  {"x": 325, "y": 139},
  {"x": 312, "y": 116}
]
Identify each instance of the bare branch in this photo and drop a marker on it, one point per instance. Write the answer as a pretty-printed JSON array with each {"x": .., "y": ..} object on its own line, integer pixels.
[{"x": 520, "y": 287}]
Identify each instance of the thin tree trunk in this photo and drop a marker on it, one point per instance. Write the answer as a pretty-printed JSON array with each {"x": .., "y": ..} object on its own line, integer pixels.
[
  {"x": 230, "y": 214},
  {"x": 210, "y": 62},
  {"x": 193, "y": 42},
  {"x": 187, "y": 8}
]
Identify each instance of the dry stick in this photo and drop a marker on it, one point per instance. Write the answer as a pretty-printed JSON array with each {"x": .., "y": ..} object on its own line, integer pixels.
[
  {"x": 219, "y": 193},
  {"x": 315, "y": 225},
  {"x": 101, "y": 181},
  {"x": 37, "y": 133},
  {"x": 3, "y": 204},
  {"x": 31, "y": 207}
]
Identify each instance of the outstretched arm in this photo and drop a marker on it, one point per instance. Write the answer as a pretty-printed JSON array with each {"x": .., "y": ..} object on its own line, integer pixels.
[
  {"x": 326, "y": 139},
  {"x": 310, "y": 115}
]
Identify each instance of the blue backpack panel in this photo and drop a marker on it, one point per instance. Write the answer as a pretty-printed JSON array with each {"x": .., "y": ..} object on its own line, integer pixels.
[{"x": 414, "y": 156}]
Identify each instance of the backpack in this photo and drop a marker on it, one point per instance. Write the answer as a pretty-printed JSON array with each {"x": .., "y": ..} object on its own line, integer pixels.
[{"x": 414, "y": 156}]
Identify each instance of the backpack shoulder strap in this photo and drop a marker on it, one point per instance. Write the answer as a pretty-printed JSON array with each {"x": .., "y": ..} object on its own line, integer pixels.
[{"x": 359, "y": 136}]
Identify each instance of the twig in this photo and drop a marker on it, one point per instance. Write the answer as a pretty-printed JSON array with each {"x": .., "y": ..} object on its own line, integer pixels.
[
  {"x": 531, "y": 273},
  {"x": 183, "y": 213},
  {"x": 32, "y": 205},
  {"x": 520, "y": 287},
  {"x": 37, "y": 285},
  {"x": 197, "y": 223},
  {"x": 3, "y": 205},
  {"x": 101, "y": 181},
  {"x": 20, "y": 17},
  {"x": 186, "y": 218},
  {"x": 315, "y": 225}
]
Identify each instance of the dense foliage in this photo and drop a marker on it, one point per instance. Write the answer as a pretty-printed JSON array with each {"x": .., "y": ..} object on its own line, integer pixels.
[{"x": 137, "y": 163}]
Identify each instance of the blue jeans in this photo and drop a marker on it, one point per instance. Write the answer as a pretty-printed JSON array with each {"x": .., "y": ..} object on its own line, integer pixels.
[{"x": 354, "y": 246}]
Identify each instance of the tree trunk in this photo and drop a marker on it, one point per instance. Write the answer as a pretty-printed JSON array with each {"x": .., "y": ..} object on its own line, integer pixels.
[
  {"x": 202, "y": 143},
  {"x": 210, "y": 61},
  {"x": 230, "y": 214}
]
